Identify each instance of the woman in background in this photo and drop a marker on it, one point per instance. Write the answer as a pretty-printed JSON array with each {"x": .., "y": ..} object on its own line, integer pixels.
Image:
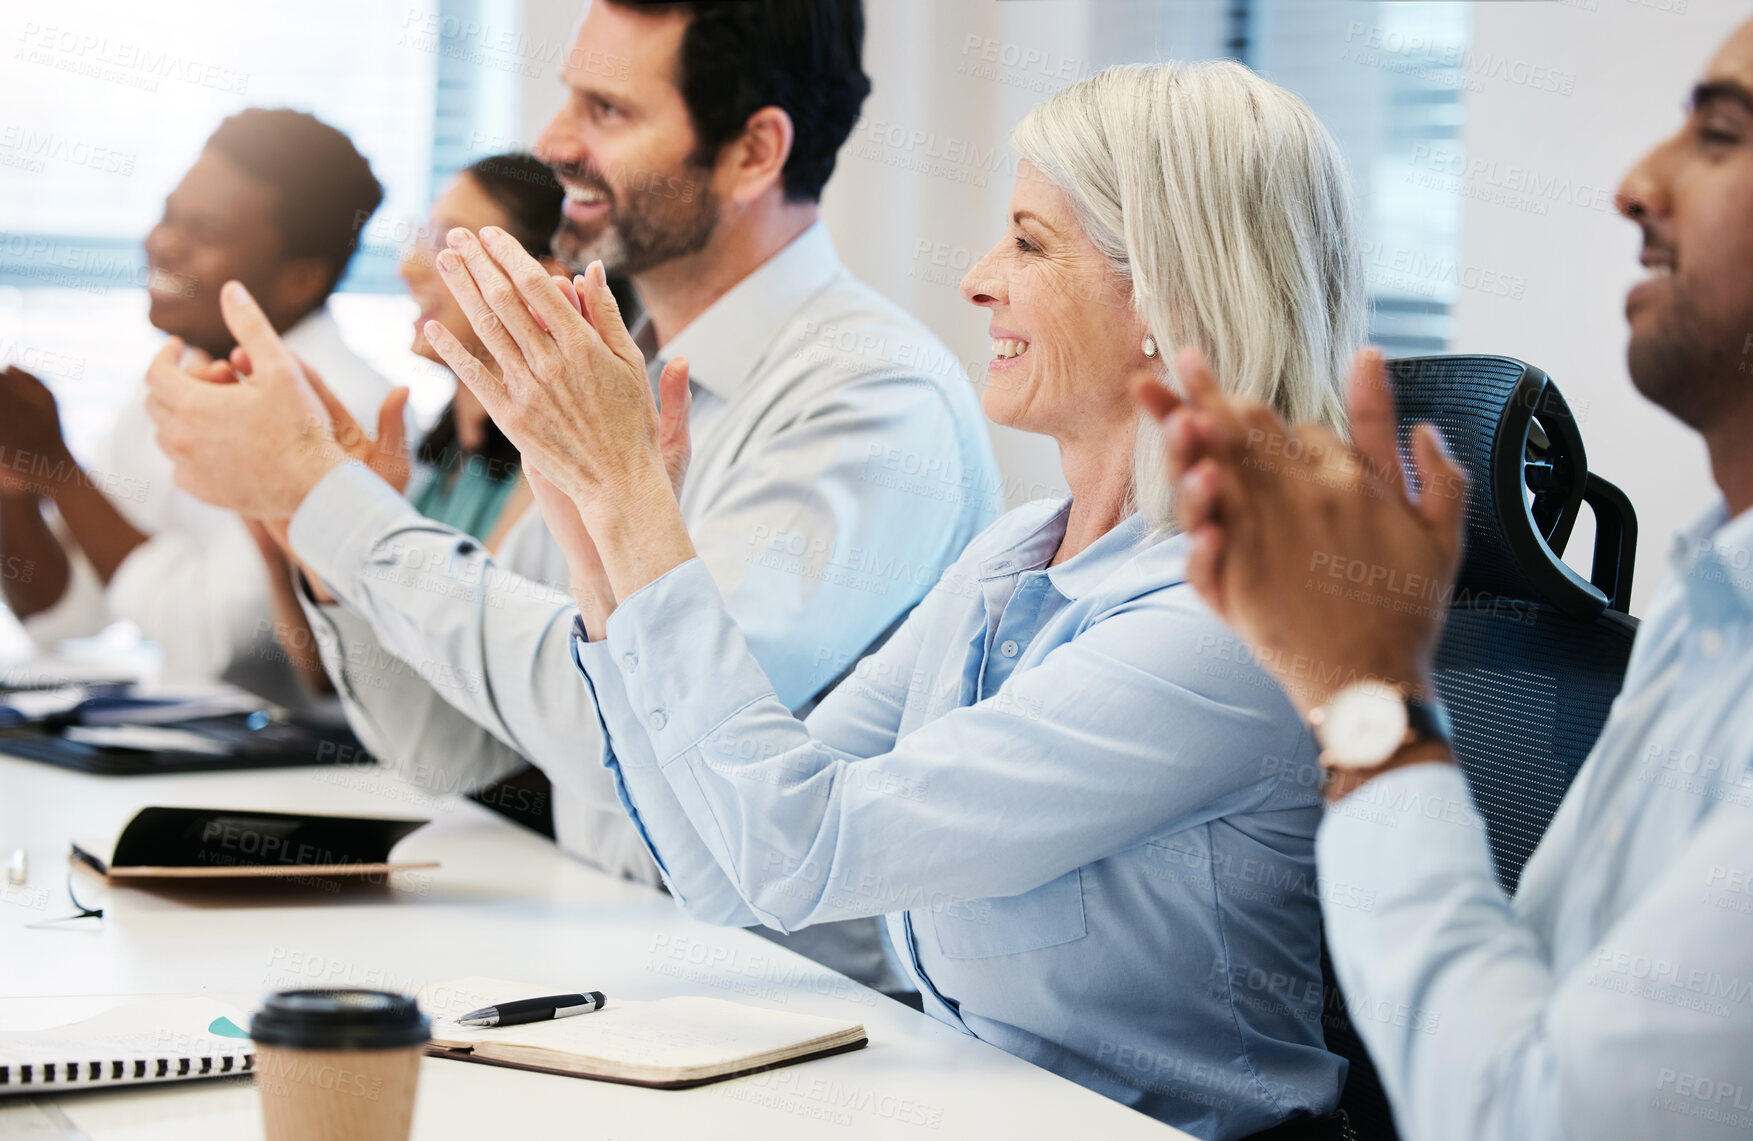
[
  {"x": 469, "y": 474},
  {"x": 466, "y": 473}
]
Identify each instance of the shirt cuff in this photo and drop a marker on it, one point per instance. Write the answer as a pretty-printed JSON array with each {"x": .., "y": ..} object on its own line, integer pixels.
[
  {"x": 341, "y": 635},
  {"x": 339, "y": 523},
  {"x": 624, "y": 745},
  {"x": 82, "y": 609},
  {"x": 1399, "y": 835},
  {"x": 683, "y": 661}
]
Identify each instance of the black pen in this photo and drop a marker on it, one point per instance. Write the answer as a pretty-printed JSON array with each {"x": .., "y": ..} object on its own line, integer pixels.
[{"x": 535, "y": 1009}]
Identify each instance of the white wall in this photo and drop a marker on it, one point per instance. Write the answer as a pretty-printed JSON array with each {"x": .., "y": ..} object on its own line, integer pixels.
[
  {"x": 545, "y": 22},
  {"x": 1633, "y": 65},
  {"x": 921, "y": 188}
]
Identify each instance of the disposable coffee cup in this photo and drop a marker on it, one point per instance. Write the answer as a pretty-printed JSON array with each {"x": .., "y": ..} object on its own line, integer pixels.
[{"x": 338, "y": 1065}]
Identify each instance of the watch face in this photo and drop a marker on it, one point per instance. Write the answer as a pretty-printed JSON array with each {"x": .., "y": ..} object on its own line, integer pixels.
[{"x": 1363, "y": 725}]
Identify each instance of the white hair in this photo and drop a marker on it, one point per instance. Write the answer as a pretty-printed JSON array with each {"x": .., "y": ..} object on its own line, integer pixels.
[{"x": 1225, "y": 203}]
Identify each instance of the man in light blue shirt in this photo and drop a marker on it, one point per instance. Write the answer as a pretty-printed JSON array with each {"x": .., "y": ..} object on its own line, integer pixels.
[{"x": 1612, "y": 997}]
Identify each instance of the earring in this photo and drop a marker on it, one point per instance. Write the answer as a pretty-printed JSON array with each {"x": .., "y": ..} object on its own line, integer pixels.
[{"x": 1149, "y": 345}]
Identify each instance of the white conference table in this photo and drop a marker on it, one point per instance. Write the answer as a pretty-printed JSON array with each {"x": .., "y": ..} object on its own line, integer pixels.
[{"x": 504, "y": 904}]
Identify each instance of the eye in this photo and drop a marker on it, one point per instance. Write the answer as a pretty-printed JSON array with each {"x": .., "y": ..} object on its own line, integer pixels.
[
  {"x": 603, "y": 109},
  {"x": 1717, "y": 137},
  {"x": 1024, "y": 246}
]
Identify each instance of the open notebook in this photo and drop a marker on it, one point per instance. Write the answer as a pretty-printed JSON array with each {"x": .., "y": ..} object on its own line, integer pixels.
[
  {"x": 156, "y": 1040},
  {"x": 670, "y": 1043}
]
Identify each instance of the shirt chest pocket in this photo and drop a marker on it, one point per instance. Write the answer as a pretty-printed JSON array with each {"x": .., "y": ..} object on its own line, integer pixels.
[{"x": 1048, "y": 916}]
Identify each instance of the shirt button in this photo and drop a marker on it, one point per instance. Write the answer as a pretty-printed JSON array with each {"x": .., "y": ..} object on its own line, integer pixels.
[
  {"x": 1711, "y": 642},
  {"x": 1615, "y": 833},
  {"x": 1009, "y": 648},
  {"x": 629, "y": 662},
  {"x": 658, "y": 719}
]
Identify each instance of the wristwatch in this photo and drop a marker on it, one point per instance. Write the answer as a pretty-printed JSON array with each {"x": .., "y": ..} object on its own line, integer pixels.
[{"x": 1367, "y": 722}]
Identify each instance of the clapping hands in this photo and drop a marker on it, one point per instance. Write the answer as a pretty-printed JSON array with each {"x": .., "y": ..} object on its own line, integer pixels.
[
  {"x": 1270, "y": 507},
  {"x": 574, "y": 397}
]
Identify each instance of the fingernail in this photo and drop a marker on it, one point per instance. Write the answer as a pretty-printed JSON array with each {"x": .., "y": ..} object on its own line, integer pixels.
[
  {"x": 234, "y": 291},
  {"x": 431, "y": 329},
  {"x": 459, "y": 238},
  {"x": 491, "y": 233},
  {"x": 449, "y": 261},
  {"x": 596, "y": 267}
]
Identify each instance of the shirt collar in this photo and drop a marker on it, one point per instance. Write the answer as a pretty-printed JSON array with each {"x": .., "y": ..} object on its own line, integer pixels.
[
  {"x": 313, "y": 335},
  {"x": 1081, "y": 573},
  {"x": 725, "y": 344},
  {"x": 1093, "y": 565},
  {"x": 1713, "y": 561}
]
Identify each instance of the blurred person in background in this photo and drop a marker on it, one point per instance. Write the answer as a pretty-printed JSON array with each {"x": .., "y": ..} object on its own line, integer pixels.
[
  {"x": 276, "y": 200},
  {"x": 465, "y": 474}
]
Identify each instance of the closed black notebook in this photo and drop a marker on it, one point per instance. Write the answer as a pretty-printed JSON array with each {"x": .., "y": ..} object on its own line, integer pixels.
[{"x": 217, "y": 843}]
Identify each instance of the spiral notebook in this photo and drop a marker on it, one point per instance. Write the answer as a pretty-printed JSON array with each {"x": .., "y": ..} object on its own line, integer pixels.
[{"x": 157, "y": 1040}]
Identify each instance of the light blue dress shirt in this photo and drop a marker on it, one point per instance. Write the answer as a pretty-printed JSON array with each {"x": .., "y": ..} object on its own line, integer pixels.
[
  {"x": 840, "y": 463},
  {"x": 1086, "y": 814},
  {"x": 1613, "y": 996}
]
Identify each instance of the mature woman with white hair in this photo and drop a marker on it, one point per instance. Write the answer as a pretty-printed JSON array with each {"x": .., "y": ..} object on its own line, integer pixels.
[{"x": 1086, "y": 813}]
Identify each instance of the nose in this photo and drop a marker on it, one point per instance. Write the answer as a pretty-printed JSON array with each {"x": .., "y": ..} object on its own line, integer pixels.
[
  {"x": 560, "y": 144},
  {"x": 415, "y": 263},
  {"x": 984, "y": 285},
  {"x": 1645, "y": 191},
  {"x": 160, "y": 243}
]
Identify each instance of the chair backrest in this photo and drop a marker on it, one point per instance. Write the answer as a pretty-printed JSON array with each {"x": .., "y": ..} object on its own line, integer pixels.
[{"x": 1532, "y": 654}]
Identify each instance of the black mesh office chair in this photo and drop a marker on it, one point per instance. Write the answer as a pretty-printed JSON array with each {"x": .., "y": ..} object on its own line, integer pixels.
[{"x": 1533, "y": 653}]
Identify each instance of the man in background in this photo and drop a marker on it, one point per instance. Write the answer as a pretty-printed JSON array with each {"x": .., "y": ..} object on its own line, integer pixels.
[{"x": 275, "y": 200}]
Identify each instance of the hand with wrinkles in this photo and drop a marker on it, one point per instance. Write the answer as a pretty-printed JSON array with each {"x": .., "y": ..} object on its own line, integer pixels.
[{"x": 574, "y": 398}]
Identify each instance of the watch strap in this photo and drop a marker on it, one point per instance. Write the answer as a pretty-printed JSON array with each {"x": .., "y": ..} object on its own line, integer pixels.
[{"x": 1426, "y": 720}]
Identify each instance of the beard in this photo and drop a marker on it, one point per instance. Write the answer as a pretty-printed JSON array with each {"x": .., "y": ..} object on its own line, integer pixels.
[
  {"x": 643, "y": 228},
  {"x": 1696, "y": 375}
]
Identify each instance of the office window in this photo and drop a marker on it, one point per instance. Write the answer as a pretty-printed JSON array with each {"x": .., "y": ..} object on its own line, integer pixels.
[
  {"x": 1389, "y": 79},
  {"x": 107, "y": 102}
]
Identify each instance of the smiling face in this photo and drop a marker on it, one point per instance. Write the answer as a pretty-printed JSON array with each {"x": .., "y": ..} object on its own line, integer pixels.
[
  {"x": 218, "y": 224},
  {"x": 1065, "y": 340},
  {"x": 623, "y": 147},
  {"x": 1692, "y": 318}
]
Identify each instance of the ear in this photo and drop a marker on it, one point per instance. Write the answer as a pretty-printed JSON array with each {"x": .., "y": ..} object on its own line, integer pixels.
[
  {"x": 755, "y": 159},
  {"x": 297, "y": 289},
  {"x": 1146, "y": 367}
]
